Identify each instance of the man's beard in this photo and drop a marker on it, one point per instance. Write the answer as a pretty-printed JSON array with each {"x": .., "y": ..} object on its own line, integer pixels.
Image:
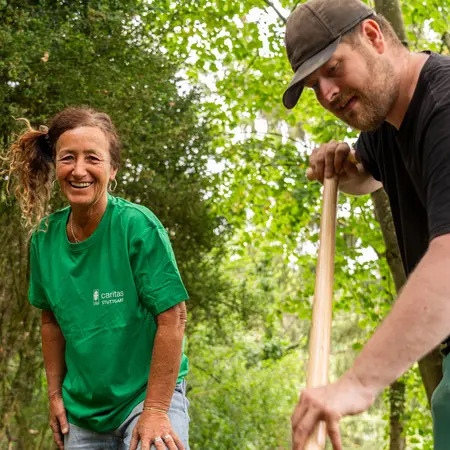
[{"x": 377, "y": 100}]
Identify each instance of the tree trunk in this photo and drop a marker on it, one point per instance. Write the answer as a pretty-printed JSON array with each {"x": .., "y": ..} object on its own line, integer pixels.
[
  {"x": 431, "y": 365},
  {"x": 384, "y": 217},
  {"x": 392, "y": 11},
  {"x": 397, "y": 389},
  {"x": 446, "y": 39},
  {"x": 397, "y": 409}
]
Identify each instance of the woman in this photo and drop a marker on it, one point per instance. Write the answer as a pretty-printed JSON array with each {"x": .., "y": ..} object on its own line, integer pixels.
[{"x": 112, "y": 300}]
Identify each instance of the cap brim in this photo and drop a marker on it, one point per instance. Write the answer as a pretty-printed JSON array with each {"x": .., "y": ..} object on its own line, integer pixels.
[{"x": 295, "y": 88}]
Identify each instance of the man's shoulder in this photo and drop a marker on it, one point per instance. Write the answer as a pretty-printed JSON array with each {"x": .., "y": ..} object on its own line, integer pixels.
[
  {"x": 437, "y": 60},
  {"x": 436, "y": 75}
]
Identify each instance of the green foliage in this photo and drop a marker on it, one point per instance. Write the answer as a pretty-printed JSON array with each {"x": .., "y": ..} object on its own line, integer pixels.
[
  {"x": 99, "y": 54},
  {"x": 263, "y": 185},
  {"x": 245, "y": 236},
  {"x": 237, "y": 401},
  {"x": 55, "y": 54}
]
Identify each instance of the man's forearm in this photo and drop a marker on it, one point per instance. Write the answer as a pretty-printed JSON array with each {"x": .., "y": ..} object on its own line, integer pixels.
[
  {"x": 362, "y": 184},
  {"x": 165, "y": 365},
  {"x": 53, "y": 347},
  {"x": 419, "y": 320}
]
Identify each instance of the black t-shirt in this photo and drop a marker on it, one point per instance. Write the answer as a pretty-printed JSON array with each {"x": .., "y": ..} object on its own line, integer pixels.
[{"x": 413, "y": 163}]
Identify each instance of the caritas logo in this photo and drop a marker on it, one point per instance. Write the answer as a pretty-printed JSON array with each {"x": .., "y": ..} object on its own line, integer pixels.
[
  {"x": 107, "y": 298},
  {"x": 96, "y": 297}
]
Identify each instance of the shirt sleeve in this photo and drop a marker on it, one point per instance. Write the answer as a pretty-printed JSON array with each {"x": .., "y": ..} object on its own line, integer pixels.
[
  {"x": 436, "y": 172},
  {"x": 155, "y": 271},
  {"x": 365, "y": 149},
  {"x": 36, "y": 292}
]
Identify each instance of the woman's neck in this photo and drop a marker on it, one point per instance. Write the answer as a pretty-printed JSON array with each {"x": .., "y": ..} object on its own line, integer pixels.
[{"x": 83, "y": 221}]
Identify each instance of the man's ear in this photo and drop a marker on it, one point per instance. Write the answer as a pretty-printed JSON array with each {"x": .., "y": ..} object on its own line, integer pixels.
[{"x": 373, "y": 35}]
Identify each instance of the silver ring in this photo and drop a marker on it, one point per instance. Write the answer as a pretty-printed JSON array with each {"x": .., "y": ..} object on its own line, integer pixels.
[
  {"x": 167, "y": 436},
  {"x": 157, "y": 439}
]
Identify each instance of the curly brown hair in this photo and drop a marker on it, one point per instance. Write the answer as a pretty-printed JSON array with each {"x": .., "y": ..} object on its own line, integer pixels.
[{"x": 30, "y": 159}]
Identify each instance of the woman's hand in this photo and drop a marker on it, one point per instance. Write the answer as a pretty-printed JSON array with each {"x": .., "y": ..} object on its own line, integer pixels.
[
  {"x": 58, "y": 419},
  {"x": 153, "y": 427}
]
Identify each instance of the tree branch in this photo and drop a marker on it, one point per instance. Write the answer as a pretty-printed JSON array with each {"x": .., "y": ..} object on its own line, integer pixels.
[
  {"x": 283, "y": 19},
  {"x": 250, "y": 63},
  {"x": 295, "y": 6}
]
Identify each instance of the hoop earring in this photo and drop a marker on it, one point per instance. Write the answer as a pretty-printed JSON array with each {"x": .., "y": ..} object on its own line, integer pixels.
[
  {"x": 54, "y": 183},
  {"x": 111, "y": 188}
]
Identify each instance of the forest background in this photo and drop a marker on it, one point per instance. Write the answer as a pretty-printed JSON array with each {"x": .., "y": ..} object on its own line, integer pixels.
[{"x": 195, "y": 89}]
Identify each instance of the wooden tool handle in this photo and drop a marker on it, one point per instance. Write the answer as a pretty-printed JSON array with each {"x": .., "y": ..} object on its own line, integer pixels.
[{"x": 319, "y": 345}]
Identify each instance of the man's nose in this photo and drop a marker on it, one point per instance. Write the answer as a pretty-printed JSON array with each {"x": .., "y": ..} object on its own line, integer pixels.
[{"x": 328, "y": 90}]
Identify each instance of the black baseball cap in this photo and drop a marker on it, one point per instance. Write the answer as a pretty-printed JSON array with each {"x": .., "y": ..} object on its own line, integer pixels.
[{"x": 313, "y": 32}]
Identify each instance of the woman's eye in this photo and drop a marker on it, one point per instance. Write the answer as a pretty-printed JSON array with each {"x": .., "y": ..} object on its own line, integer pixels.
[{"x": 92, "y": 158}]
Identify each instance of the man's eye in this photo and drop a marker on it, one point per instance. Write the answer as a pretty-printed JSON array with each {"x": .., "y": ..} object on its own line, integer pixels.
[{"x": 333, "y": 68}]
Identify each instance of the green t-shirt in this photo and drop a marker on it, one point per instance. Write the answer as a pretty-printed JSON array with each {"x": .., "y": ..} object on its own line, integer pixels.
[{"x": 105, "y": 293}]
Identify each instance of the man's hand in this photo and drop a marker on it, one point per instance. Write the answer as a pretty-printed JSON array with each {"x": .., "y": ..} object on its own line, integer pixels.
[
  {"x": 58, "y": 419},
  {"x": 153, "y": 427},
  {"x": 328, "y": 403},
  {"x": 337, "y": 159},
  {"x": 332, "y": 159}
]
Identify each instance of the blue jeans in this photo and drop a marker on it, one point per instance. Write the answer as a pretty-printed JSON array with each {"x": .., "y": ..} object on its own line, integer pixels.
[{"x": 80, "y": 439}]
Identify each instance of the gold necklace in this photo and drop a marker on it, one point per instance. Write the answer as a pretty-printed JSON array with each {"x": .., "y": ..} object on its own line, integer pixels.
[{"x": 71, "y": 229}]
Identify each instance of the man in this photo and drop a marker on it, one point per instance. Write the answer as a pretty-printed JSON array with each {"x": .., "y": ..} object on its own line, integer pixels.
[{"x": 400, "y": 101}]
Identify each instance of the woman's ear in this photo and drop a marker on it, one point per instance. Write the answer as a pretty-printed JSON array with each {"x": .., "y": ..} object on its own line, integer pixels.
[{"x": 113, "y": 174}]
